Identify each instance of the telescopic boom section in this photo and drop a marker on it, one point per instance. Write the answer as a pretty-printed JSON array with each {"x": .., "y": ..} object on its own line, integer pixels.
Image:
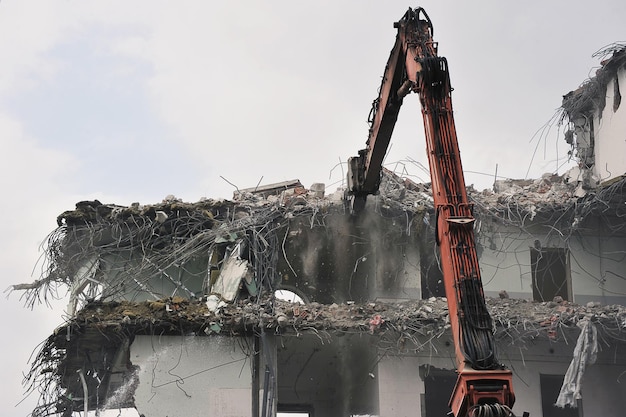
[{"x": 483, "y": 386}]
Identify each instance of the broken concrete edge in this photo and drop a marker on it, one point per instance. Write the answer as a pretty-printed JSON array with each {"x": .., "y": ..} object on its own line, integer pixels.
[
  {"x": 548, "y": 192},
  {"x": 271, "y": 189},
  {"x": 183, "y": 316},
  {"x": 178, "y": 315},
  {"x": 401, "y": 327}
]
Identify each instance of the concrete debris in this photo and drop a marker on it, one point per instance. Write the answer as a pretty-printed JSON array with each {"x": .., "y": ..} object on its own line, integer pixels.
[
  {"x": 530, "y": 319},
  {"x": 294, "y": 186},
  {"x": 161, "y": 216},
  {"x": 318, "y": 189},
  {"x": 547, "y": 193},
  {"x": 376, "y": 322},
  {"x": 213, "y": 303},
  {"x": 170, "y": 198}
]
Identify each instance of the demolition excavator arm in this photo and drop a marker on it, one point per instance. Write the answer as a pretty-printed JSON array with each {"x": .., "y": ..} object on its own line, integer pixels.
[{"x": 484, "y": 386}]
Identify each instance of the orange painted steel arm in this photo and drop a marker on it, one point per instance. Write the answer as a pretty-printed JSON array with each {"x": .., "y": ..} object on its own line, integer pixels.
[
  {"x": 398, "y": 80},
  {"x": 413, "y": 65}
]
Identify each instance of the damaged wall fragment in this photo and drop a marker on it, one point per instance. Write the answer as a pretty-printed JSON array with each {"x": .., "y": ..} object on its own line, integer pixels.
[{"x": 596, "y": 122}]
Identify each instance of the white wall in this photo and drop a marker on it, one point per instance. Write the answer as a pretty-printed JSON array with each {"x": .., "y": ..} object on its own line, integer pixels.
[
  {"x": 597, "y": 264},
  {"x": 610, "y": 134},
  {"x": 399, "y": 386},
  {"x": 598, "y": 269},
  {"x": 604, "y": 383},
  {"x": 192, "y": 376}
]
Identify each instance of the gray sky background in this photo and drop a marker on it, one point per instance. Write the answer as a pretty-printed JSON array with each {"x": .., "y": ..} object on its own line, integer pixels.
[{"x": 128, "y": 101}]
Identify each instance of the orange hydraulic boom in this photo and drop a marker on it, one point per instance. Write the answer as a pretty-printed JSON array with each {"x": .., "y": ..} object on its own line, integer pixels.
[{"x": 484, "y": 386}]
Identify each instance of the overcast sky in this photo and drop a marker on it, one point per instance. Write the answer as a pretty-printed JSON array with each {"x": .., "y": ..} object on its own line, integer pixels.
[{"x": 129, "y": 101}]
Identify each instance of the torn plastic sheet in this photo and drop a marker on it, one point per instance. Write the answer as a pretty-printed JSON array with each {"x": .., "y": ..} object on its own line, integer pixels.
[
  {"x": 585, "y": 353},
  {"x": 233, "y": 271}
]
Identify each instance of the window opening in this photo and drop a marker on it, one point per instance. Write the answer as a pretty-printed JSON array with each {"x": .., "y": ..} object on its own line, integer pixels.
[
  {"x": 334, "y": 376},
  {"x": 550, "y": 388},
  {"x": 432, "y": 277},
  {"x": 617, "y": 95},
  {"x": 550, "y": 273},
  {"x": 438, "y": 384}
]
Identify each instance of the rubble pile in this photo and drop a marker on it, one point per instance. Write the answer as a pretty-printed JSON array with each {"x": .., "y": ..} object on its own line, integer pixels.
[
  {"x": 546, "y": 194},
  {"x": 511, "y": 200},
  {"x": 514, "y": 319},
  {"x": 521, "y": 200}
]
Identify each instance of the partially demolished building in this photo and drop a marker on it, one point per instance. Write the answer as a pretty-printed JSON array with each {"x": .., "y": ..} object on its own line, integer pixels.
[
  {"x": 597, "y": 122},
  {"x": 177, "y": 309}
]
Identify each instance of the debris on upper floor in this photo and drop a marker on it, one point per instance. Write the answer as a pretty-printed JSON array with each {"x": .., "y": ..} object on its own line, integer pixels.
[
  {"x": 94, "y": 237},
  {"x": 546, "y": 194},
  {"x": 175, "y": 315}
]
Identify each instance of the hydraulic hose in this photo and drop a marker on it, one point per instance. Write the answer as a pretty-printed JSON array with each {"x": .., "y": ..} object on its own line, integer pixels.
[{"x": 490, "y": 410}]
